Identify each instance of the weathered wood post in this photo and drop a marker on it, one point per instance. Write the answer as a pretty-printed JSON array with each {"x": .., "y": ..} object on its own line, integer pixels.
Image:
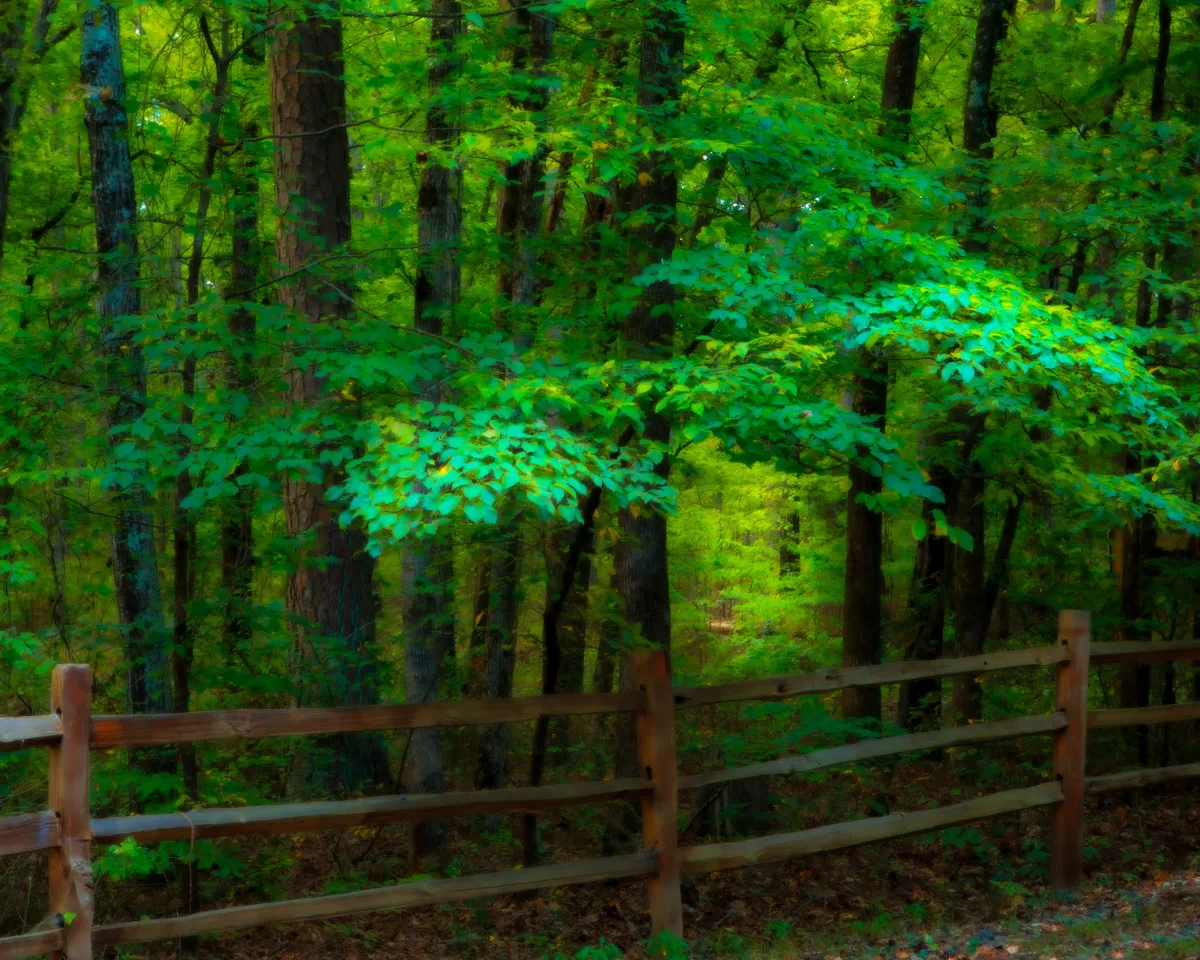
[
  {"x": 655, "y": 729},
  {"x": 1070, "y": 751},
  {"x": 71, "y": 862}
]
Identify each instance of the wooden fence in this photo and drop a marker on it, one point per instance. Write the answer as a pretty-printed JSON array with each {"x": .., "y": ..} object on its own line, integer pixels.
[{"x": 66, "y": 830}]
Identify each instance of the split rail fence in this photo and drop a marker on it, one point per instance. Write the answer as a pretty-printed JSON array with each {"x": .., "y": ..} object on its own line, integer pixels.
[{"x": 66, "y": 830}]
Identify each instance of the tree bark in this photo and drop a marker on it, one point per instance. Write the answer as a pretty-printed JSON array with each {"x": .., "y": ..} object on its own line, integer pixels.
[
  {"x": 1139, "y": 538},
  {"x": 640, "y": 556},
  {"x": 427, "y": 589},
  {"x": 135, "y": 560},
  {"x": 862, "y": 609},
  {"x": 237, "y": 523},
  {"x": 330, "y": 592}
]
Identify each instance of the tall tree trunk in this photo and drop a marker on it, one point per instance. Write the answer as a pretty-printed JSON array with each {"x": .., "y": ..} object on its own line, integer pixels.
[
  {"x": 135, "y": 559},
  {"x": 183, "y": 648},
  {"x": 862, "y": 605},
  {"x": 330, "y": 592},
  {"x": 427, "y": 587},
  {"x": 237, "y": 523},
  {"x": 981, "y": 118},
  {"x": 1140, "y": 535},
  {"x": 640, "y": 556}
]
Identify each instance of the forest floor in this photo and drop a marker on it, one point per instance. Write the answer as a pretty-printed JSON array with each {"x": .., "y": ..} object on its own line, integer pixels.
[{"x": 973, "y": 893}]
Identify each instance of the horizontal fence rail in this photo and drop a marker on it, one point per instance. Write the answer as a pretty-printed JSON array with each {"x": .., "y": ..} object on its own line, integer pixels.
[
  {"x": 22, "y": 733},
  {"x": 70, "y": 733},
  {"x": 31, "y": 944},
  {"x": 840, "y": 678},
  {"x": 710, "y": 857},
  {"x": 1138, "y": 716},
  {"x": 421, "y": 893},
  {"x": 883, "y": 747},
  {"x": 369, "y": 812},
  {"x": 29, "y": 833},
  {"x": 151, "y": 730},
  {"x": 1144, "y": 777}
]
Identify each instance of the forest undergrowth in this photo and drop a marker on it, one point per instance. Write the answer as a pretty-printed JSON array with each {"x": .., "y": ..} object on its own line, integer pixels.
[{"x": 977, "y": 891}]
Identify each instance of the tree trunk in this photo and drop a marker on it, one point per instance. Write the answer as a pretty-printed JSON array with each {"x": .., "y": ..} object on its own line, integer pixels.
[
  {"x": 237, "y": 524},
  {"x": 1140, "y": 536},
  {"x": 970, "y": 588},
  {"x": 640, "y": 557},
  {"x": 920, "y": 701},
  {"x": 572, "y": 625},
  {"x": 500, "y": 657},
  {"x": 330, "y": 592},
  {"x": 862, "y": 607},
  {"x": 427, "y": 589},
  {"x": 135, "y": 560}
]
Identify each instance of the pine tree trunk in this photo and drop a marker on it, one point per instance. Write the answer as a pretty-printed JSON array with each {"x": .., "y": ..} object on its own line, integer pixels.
[{"x": 330, "y": 592}]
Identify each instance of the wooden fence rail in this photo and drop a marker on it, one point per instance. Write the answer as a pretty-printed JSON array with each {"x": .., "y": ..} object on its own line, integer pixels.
[{"x": 66, "y": 830}]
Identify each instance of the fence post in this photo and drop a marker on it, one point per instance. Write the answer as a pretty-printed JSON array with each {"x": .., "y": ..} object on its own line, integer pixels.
[
  {"x": 71, "y": 863},
  {"x": 1070, "y": 751},
  {"x": 655, "y": 731}
]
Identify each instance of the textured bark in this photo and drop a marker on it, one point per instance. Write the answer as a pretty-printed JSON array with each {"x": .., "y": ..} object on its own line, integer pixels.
[
  {"x": 862, "y": 609},
  {"x": 1105, "y": 9},
  {"x": 970, "y": 587},
  {"x": 477, "y": 642},
  {"x": 981, "y": 118},
  {"x": 500, "y": 657},
  {"x": 184, "y": 547},
  {"x": 135, "y": 560},
  {"x": 330, "y": 592},
  {"x": 570, "y": 621},
  {"x": 640, "y": 557},
  {"x": 1139, "y": 538},
  {"x": 427, "y": 587},
  {"x": 920, "y": 701}
]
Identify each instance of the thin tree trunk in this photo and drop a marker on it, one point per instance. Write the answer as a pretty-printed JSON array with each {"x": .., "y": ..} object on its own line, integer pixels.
[
  {"x": 862, "y": 608},
  {"x": 427, "y": 589},
  {"x": 920, "y": 701},
  {"x": 135, "y": 560},
  {"x": 572, "y": 627},
  {"x": 330, "y": 592},
  {"x": 1140, "y": 535},
  {"x": 237, "y": 525},
  {"x": 981, "y": 117}
]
